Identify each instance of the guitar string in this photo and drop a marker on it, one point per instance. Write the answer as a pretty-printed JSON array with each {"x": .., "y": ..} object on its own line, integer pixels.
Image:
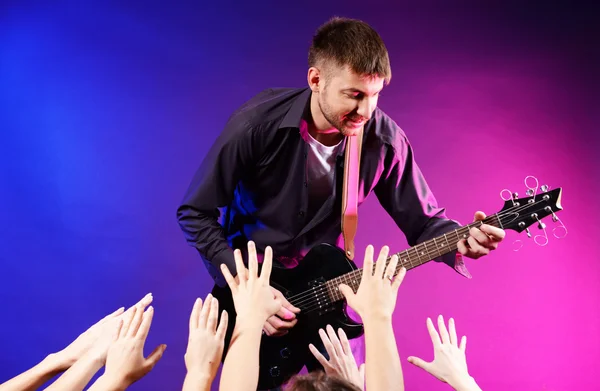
[
  {"x": 334, "y": 296},
  {"x": 299, "y": 299}
]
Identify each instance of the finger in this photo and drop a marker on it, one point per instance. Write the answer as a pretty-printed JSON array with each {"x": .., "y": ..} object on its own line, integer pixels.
[
  {"x": 368, "y": 263},
  {"x": 435, "y": 337},
  {"x": 380, "y": 265},
  {"x": 480, "y": 237},
  {"x": 205, "y": 311},
  {"x": 496, "y": 233},
  {"x": 229, "y": 278},
  {"x": 112, "y": 315},
  {"x": 144, "y": 329},
  {"x": 269, "y": 330},
  {"x": 285, "y": 314},
  {"x": 118, "y": 330},
  {"x": 267, "y": 264},
  {"x": 452, "y": 331},
  {"x": 390, "y": 270},
  {"x": 195, "y": 313},
  {"x": 443, "y": 331},
  {"x": 476, "y": 248},
  {"x": 463, "y": 343},
  {"x": 135, "y": 324},
  {"x": 127, "y": 322},
  {"x": 462, "y": 247},
  {"x": 239, "y": 267},
  {"x": 153, "y": 358},
  {"x": 398, "y": 279},
  {"x": 145, "y": 301},
  {"x": 328, "y": 345},
  {"x": 288, "y": 310},
  {"x": 252, "y": 261},
  {"x": 479, "y": 215},
  {"x": 222, "y": 329},
  {"x": 281, "y": 325},
  {"x": 335, "y": 341},
  {"x": 320, "y": 358},
  {"x": 419, "y": 363},
  {"x": 213, "y": 315},
  {"x": 346, "y": 348}
]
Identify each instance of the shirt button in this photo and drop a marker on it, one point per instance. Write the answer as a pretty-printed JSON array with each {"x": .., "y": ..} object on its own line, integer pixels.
[{"x": 301, "y": 213}]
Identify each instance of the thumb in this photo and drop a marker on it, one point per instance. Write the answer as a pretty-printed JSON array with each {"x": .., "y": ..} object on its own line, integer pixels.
[
  {"x": 416, "y": 361},
  {"x": 284, "y": 302},
  {"x": 156, "y": 355},
  {"x": 479, "y": 215},
  {"x": 347, "y": 292}
]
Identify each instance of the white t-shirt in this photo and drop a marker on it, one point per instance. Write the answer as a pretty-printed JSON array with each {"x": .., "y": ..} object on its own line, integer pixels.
[{"x": 320, "y": 169}]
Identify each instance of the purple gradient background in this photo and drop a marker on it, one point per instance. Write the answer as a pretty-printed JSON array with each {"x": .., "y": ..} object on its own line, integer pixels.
[{"x": 107, "y": 110}]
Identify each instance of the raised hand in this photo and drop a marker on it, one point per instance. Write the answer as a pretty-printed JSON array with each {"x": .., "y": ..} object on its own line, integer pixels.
[
  {"x": 377, "y": 292},
  {"x": 341, "y": 361},
  {"x": 449, "y": 364},
  {"x": 84, "y": 342},
  {"x": 206, "y": 340},
  {"x": 126, "y": 363},
  {"x": 252, "y": 296}
]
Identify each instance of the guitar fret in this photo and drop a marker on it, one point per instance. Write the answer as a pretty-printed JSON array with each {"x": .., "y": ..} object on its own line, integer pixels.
[
  {"x": 417, "y": 254},
  {"x": 446, "y": 239}
]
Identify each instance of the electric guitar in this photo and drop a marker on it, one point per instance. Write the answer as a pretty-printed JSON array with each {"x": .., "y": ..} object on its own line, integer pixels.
[{"x": 313, "y": 286}]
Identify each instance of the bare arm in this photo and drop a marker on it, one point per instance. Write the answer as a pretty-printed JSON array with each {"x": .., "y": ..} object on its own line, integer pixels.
[
  {"x": 374, "y": 302},
  {"x": 205, "y": 344},
  {"x": 33, "y": 378},
  {"x": 254, "y": 304}
]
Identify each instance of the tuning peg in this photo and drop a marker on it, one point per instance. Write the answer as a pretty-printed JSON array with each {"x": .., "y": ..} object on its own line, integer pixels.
[
  {"x": 515, "y": 196},
  {"x": 541, "y": 225},
  {"x": 528, "y": 233},
  {"x": 529, "y": 192},
  {"x": 545, "y": 188}
]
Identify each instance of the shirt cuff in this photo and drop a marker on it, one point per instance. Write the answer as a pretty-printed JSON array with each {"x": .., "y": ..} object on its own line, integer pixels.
[
  {"x": 455, "y": 261},
  {"x": 214, "y": 266}
]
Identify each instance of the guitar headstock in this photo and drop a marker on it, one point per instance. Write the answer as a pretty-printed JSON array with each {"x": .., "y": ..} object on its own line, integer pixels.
[{"x": 519, "y": 214}]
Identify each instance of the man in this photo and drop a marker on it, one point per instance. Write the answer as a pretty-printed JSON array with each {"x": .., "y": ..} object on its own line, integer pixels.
[{"x": 277, "y": 168}]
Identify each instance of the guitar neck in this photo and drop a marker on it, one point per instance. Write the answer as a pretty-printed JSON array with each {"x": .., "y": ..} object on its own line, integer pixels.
[{"x": 414, "y": 256}]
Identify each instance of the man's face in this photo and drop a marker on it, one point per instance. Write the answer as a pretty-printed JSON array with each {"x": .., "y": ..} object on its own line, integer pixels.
[{"x": 348, "y": 100}]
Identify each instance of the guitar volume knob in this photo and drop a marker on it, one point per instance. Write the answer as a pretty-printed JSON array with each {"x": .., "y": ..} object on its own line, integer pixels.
[
  {"x": 274, "y": 371},
  {"x": 285, "y": 353}
]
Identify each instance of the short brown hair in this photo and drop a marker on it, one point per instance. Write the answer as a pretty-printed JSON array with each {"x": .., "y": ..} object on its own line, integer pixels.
[
  {"x": 353, "y": 43},
  {"x": 319, "y": 381}
]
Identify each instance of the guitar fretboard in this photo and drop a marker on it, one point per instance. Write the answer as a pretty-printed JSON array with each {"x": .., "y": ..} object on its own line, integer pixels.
[{"x": 414, "y": 256}]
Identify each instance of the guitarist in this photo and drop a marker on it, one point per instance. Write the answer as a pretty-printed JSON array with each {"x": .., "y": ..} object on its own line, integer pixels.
[{"x": 274, "y": 175}]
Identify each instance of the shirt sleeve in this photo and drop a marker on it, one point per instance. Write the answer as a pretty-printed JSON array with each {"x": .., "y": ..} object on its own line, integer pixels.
[
  {"x": 212, "y": 187},
  {"x": 405, "y": 195}
]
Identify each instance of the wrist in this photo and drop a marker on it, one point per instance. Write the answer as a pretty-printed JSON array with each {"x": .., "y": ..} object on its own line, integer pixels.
[
  {"x": 377, "y": 319},
  {"x": 198, "y": 377},
  {"x": 109, "y": 382},
  {"x": 60, "y": 360},
  {"x": 57, "y": 362},
  {"x": 463, "y": 383},
  {"x": 249, "y": 322}
]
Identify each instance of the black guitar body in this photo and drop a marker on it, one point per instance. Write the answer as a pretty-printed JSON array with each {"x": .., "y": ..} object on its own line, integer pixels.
[{"x": 283, "y": 357}]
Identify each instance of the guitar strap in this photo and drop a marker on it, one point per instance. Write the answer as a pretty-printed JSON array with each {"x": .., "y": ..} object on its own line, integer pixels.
[{"x": 350, "y": 191}]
